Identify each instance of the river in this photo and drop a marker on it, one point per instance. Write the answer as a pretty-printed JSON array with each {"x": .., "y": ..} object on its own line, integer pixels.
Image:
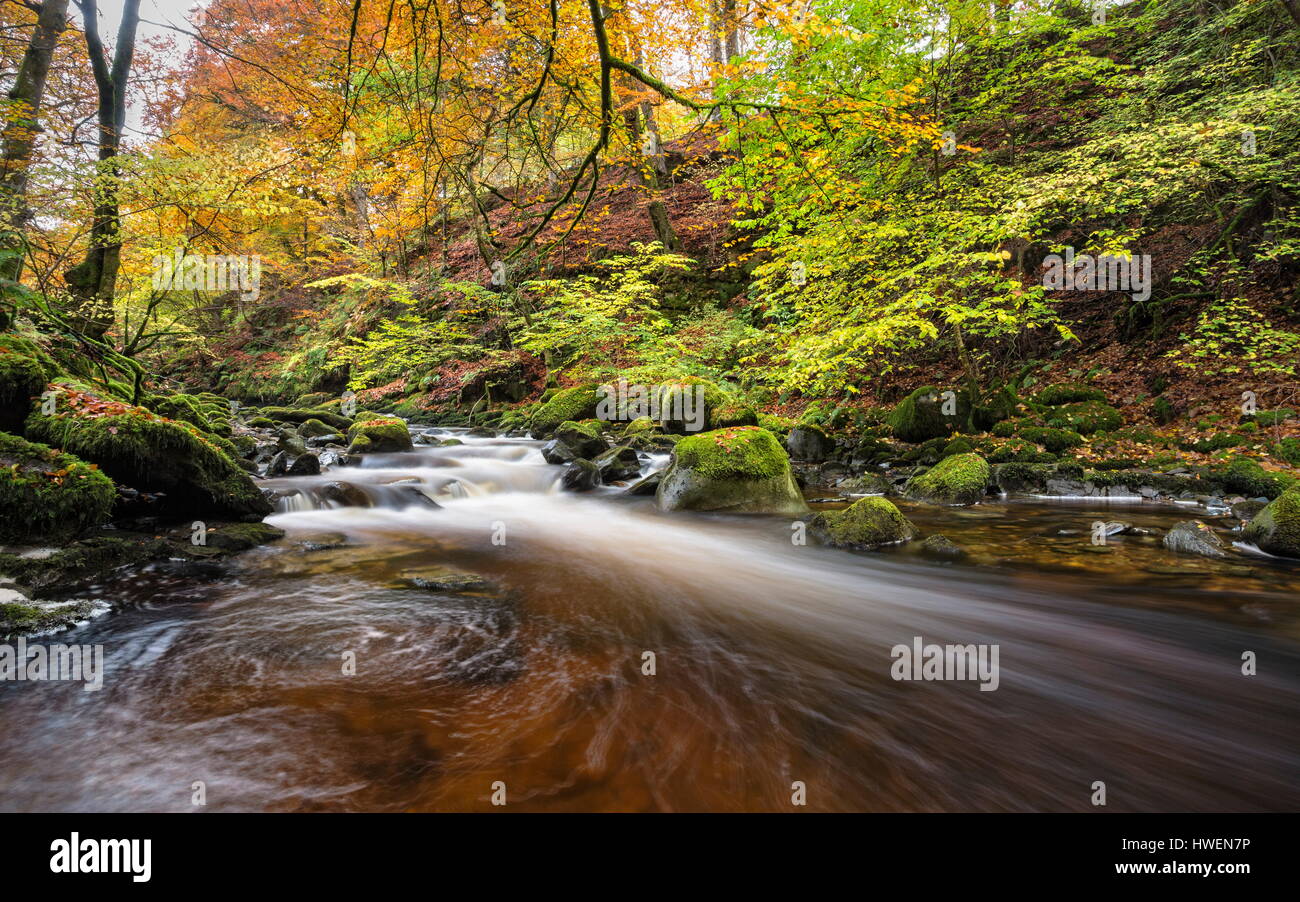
[{"x": 568, "y": 652}]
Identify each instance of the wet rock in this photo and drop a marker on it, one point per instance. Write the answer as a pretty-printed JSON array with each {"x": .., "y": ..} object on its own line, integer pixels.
[
  {"x": 940, "y": 546},
  {"x": 744, "y": 470},
  {"x": 558, "y": 452},
  {"x": 866, "y": 484},
  {"x": 334, "y": 458},
  {"x": 647, "y": 485},
  {"x": 1276, "y": 528},
  {"x": 583, "y": 439},
  {"x": 580, "y": 476},
  {"x": 866, "y": 523},
  {"x": 345, "y": 494},
  {"x": 292, "y": 444},
  {"x": 1195, "y": 537},
  {"x": 1247, "y": 510},
  {"x": 305, "y": 465},
  {"x": 482, "y": 432},
  {"x": 808, "y": 442},
  {"x": 617, "y": 464},
  {"x": 321, "y": 441},
  {"x": 959, "y": 479},
  {"x": 279, "y": 465},
  {"x": 413, "y": 496}
]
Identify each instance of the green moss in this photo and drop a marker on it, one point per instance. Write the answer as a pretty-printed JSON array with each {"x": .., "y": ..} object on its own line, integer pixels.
[
  {"x": 1068, "y": 393},
  {"x": 196, "y": 472},
  {"x": 919, "y": 417},
  {"x": 1054, "y": 440},
  {"x": 959, "y": 479},
  {"x": 732, "y": 414},
  {"x": 867, "y": 523},
  {"x": 638, "y": 426},
  {"x": 46, "y": 495},
  {"x": 293, "y": 415},
  {"x": 24, "y": 372},
  {"x": 744, "y": 452},
  {"x": 1270, "y": 418},
  {"x": 314, "y": 428},
  {"x": 1247, "y": 477},
  {"x": 262, "y": 422},
  {"x": 313, "y": 399},
  {"x": 180, "y": 407},
  {"x": 956, "y": 446},
  {"x": 743, "y": 469},
  {"x": 577, "y": 403},
  {"x": 1276, "y": 528},
  {"x": 382, "y": 434},
  {"x": 775, "y": 423},
  {"x": 1020, "y": 451},
  {"x": 1085, "y": 417},
  {"x": 1288, "y": 450},
  {"x": 1210, "y": 444}
]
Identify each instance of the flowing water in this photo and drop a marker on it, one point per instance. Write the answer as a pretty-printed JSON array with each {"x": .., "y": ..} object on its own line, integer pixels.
[{"x": 502, "y": 635}]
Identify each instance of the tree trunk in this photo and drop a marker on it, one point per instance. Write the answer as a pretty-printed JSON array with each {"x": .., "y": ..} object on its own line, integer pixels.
[
  {"x": 640, "y": 123},
  {"x": 19, "y": 137},
  {"x": 94, "y": 280}
]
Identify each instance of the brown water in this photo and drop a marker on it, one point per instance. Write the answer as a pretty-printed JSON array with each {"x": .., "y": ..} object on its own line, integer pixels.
[{"x": 1118, "y": 664}]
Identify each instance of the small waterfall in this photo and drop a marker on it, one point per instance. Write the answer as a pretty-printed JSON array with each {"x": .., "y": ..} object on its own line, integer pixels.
[{"x": 425, "y": 477}]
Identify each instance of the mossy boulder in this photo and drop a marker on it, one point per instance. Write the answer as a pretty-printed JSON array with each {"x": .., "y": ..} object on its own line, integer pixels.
[
  {"x": 866, "y": 523},
  {"x": 315, "y": 428},
  {"x": 46, "y": 495},
  {"x": 569, "y": 404},
  {"x": 743, "y": 469},
  {"x": 1276, "y": 529},
  {"x": 1085, "y": 417},
  {"x": 920, "y": 416},
  {"x": 1067, "y": 393},
  {"x": 639, "y": 426},
  {"x": 582, "y": 439},
  {"x": 379, "y": 434},
  {"x": 24, "y": 372},
  {"x": 294, "y": 415},
  {"x": 731, "y": 414},
  {"x": 1247, "y": 477},
  {"x": 1054, "y": 440},
  {"x": 196, "y": 472},
  {"x": 960, "y": 479}
]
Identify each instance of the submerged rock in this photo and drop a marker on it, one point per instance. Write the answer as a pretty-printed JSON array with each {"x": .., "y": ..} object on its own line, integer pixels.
[
  {"x": 1195, "y": 537},
  {"x": 866, "y": 523},
  {"x": 743, "y": 469},
  {"x": 960, "y": 479},
  {"x": 1276, "y": 528},
  {"x": 940, "y": 546}
]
